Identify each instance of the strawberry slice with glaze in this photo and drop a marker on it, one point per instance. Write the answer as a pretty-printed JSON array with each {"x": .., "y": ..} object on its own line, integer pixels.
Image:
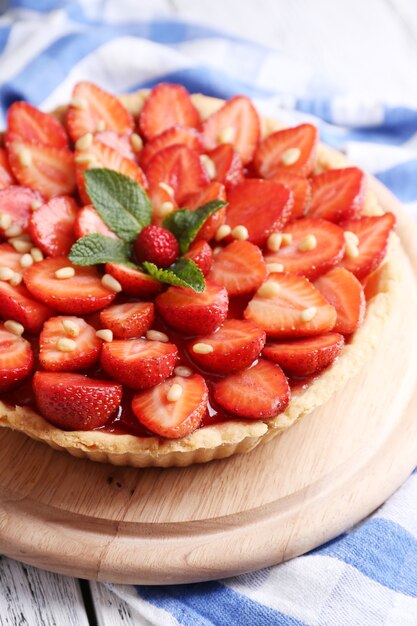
[
  {"x": 343, "y": 290},
  {"x": 6, "y": 174},
  {"x": 228, "y": 165},
  {"x": 128, "y": 320},
  {"x": 139, "y": 363},
  {"x": 51, "y": 226},
  {"x": 239, "y": 267},
  {"x": 338, "y": 195},
  {"x": 81, "y": 294},
  {"x": 263, "y": 206},
  {"x": 121, "y": 143},
  {"x": 304, "y": 357},
  {"x": 134, "y": 282},
  {"x": 168, "y": 105},
  {"x": 201, "y": 253},
  {"x": 289, "y": 306},
  {"x": 301, "y": 191},
  {"x": 16, "y": 359},
  {"x": 189, "y": 137},
  {"x": 212, "y": 191},
  {"x": 316, "y": 246},
  {"x": 291, "y": 149},
  {"x": 10, "y": 258},
  {"x": 89, "y": 221},
  {"x": 17, "y": 202},
  {"x": 234, "y": 346},
  {"x": 172, "y": 419},
  {"x": 74, "y": 401},
  {"x": 262, "y": 391},
  {"x": 28, "y": 123},
  {"x": 237, "y": 123},
  {"x": 67, "y": 344},
  {"x": 93, "y": 109},
  {"x": 163, "y": 203},
  {"x": 193, "y": 313}
]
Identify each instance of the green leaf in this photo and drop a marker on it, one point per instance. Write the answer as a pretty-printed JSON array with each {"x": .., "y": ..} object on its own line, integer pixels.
[
  {"x": 120, "y": 201},
  {"x": 183, "y": 273},
  {"x": 96, "y": 248},
  {"x": 185, "y": 224}
]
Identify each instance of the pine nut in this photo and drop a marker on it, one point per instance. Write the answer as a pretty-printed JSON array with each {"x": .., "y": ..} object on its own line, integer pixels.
[
  {"x": 25, "y": 157},
  {"x": 351, "y": 236},
  {"x": 307, "y": 314},
  {"x": 308, "y": 243},
  {"x": 26, "y": 260},
  {"x": 20, "y": 245},
  {"x": 240, "y": 233},
  {"x": 202, "y": 348},
  {"x": 66, "y": 345},
  {"x": 14, "y": 327},
  {"x": 183, "y": 371},
  {"x": 64, "y": 273},
  {"x": 6, "y": 273},
  {"x": 37, "y": 254},
  {"x": 226, "y": 135},
  {"x": 274, "y": 242},
  {"x": 351, "y": 250},
  {"x": 13, "y": 231},
  {"x": 223, "y": 231},
  {"x": 290, "y": 156},
  {"x": 156, "y": 335},
  {"x": 35, "y": 205},
  {"x": 85, "y": 159},
  {"x": 136, "y": 142},
  {"x": 174, "y": 393},
  {"x": 101, "y": 125},
  {"x": 269, "y": 289},
  {"x": 165, "y": 209},
  {"x": 274, "y": 267},
  {"x": 84, "y": 142},
  {"x": 286, "y": 239},
  {"x": 170, "y": 191},
  {"x": 208, "y": 165},
  {"x": 5, "y": 221},
  {"x": 71, "y": 328},
  {"x": 16, "y": 279},
  {"x": 110, "y": 283},
  {"x": 105, "y": 334}
]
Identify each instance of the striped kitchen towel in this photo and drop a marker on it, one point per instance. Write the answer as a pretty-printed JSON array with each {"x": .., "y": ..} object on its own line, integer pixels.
[{"x": 365, "y": 577}]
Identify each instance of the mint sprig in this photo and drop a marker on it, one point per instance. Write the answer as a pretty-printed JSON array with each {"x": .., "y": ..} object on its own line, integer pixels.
[
  {"x": 185, "y": 224},
  {"x": 120, "y": 201},
  {"x": 183, "y": 273},
  {"x": 96, "y": 248}
]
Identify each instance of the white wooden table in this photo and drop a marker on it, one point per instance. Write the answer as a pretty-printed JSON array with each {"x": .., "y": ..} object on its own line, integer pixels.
[{"x": 372, "y": 47}]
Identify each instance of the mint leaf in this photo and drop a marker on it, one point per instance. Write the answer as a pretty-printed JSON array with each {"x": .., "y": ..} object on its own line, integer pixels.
[
  {"x": 183, "y": 273},
  {"x": 120, "y": 201},
  {"x": 185, "y": 224},
  {"x": 96, "y": 248}
]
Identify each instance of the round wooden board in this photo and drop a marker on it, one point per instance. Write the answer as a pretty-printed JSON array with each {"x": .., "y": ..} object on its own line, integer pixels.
[{"x": 211, "y": 521}]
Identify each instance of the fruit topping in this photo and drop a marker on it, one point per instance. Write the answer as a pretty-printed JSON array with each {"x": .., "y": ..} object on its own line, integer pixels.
[
  {"x": 89, "y": 221},
  {"x": 128, "y": 320},
  {"x": 301, "y": 191},
  {"x": 16, "y": 358},
  {"x": 156, "y": 245},
  {"x": 16, "y": 204},
  {"x": 168, "y": 105},
  {"x": 291, "y": 149},
  {"x": 67, "y": 344},
  {"x": 239, "y": 267},
  {"x": 201, "y": 253},
  {"x": 212, "y": 191},
  {"x": 337, "y": 195},
  {"x": 28, "y": 123},
  {"x": 51, "y": 226},
  {"x": 343, "y": 290},
  {"x": 18, "y": 304},
  {"x": 6, "y": 174},
  {"x": 228, "y": 166},
  {"x": 134, "y": 282},
  {"x": 174, "y": 135},
  {"x": 123, "y": 144}
]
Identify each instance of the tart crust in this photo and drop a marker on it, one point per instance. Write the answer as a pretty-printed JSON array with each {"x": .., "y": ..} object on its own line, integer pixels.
[{"x": 238, "y": 436}]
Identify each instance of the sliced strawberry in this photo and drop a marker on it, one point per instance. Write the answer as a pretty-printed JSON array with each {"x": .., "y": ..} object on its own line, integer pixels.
[
  {"x": 172, "y": 419},
  {"x": 168, "y": 105},
  {"x": 212, "y": 191},
  {"x": 46, "y": 169},
  {"x": 301, "y": 191},
  {"x": 179, "y": 167},
  {"x": 16, "y": 359},
  {"x": 128, "y": 320},
  {"x": 6, "y": 174},
  {"x": 325, "y": 239},
  {"x": 289, "y": 306},
  {"x": 176, "y": 135},
  {"x": 373, "y": 233},
  {"x": 304, "y": 357},
  {"x": 193, "y": 313},
  {"x": 291, "y": 149},
  {"x": 17, "y": 202},
  {"x": 10, "y": 258},
  {"x": 234, "y": 346},
  {"x": 261, "y": 391},
  {"x": 139, "y": 363},
  {"x": 51, "y": 226},
  {"x": 338, "y": 194},
  {"x": 239, "y": 267},
  {"x": 134, "y": 282},
  {"x": 89, "y": 221},
  {"x": 92, "y": 108},
  {"x": 120, "y": 143},
  {"x": 83, "y": 293},
  {"x": 263, "y": 206},
  {"x": 237, "y": 123},
  {"x": 343, "y": 291},
  {"x": 86, "y": 346},
  {"x": 74, "y": 401},
  {"x": 17, "y": 303},
  {"x": 162, "y": 203},
  {"x": 28, "y": 123},
  {"x": 201, "y": 253},
  {"x": 228, "y": 164}
]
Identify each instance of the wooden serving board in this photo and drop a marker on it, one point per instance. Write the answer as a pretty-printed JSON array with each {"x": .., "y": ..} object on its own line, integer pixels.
[{"x": 210, "y": 521}]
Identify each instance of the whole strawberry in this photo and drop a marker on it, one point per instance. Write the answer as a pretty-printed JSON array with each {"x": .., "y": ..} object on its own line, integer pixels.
[{"x": 157, "y": 245}]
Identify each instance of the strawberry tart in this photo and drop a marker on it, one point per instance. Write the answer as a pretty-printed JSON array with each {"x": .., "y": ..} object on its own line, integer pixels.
[{"x": 180, "y": 280}]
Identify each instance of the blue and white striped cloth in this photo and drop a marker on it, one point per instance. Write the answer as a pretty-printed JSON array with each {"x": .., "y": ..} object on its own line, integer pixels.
[{"x": 365, "y": 577}]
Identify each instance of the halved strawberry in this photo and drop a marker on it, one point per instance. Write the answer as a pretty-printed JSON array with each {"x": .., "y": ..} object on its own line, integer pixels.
[
  {"x": 6, "y": 174},
  {"x": 235, "y": 345},
  {"x": 139, "y": 363},
  {"x": 89, "y": 221},
  {"x": 16, "y": 359},
  {"x": 17, "y": 303},
  {"x": 303, "y": 357},
  {"x": 263, "y": 206},
  {"x": 134, "y": 282},
  {"x": 17, "y": 202},
  {"x": 317, "y": 246},
  {"x": 337, "y": 194},
  {"x": 120, "y": 143},
  {"x": 228, "y": 164},
  {"x": 201, "y": 253},
  {"x": 74, "y": 401},
  {"x": 176, "y": 135},
  {"x": 236, "y": 122},
  {"x": 128, "y": 320},
  {"x": 373, "y": 234},
  {"x": 86, "y": 346},
  {"x": 212, "y": 191},
  {"x": 262, "y": 391},
  {"x": 28, "y": 123},
  {"x": 193, "y": 313},
  {"x": 301, "y": 191},
  {"x": 10, "y": 258},
  {"x": 179, "y": 167},
  {"x": 172, "y": 419},
  {"x": 162, "y": 203},
  {"x": 239, "y": 267},
  {"x": 291, "y": 149},
  {"x": 289, "y": 306},
  {"x": 46, "y": 169},
  {"x": 83, "y": 293},
  {"x": 342, "y": 290},
  {"x": 51, "y": 226},
  {"x": 168, "y": 105},
  {"x": 91, "y": 108}
]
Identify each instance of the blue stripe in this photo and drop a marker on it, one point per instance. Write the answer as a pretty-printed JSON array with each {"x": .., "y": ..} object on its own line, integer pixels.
[
  {"x": 402, "y": 180},
  {"x": 41, "y": 6},
  {"x": 4, "y": 37}
]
